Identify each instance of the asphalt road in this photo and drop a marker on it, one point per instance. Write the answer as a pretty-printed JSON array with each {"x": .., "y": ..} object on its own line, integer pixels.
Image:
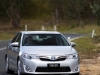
[{"x": 3, "y": 45}]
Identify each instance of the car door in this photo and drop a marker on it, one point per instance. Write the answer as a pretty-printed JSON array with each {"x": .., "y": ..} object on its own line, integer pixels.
[
  {"x": 15, "y": 51},
  {"x": 11, "y": 51}
]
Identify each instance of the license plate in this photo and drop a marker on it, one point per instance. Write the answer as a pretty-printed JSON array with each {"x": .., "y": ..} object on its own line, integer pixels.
[{"x": 53, "y": 65}]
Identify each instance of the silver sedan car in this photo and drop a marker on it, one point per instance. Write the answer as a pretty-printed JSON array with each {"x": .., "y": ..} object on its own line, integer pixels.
[{"x": 41, "y": 52}]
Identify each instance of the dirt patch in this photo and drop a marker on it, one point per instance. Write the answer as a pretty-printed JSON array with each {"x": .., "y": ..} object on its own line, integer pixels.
[{"x": 90, "y": 67}]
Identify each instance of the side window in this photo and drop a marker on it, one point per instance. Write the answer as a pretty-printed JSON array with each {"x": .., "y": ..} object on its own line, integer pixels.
[
  {"x": 19, "y": 38},
  {"x": 14, "y": 39}
]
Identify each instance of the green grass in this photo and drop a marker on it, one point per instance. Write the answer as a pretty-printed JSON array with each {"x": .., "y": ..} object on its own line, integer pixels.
[
  {"x": 6, "y": 36},
  {"x": 86, "y": 29},
  {"x": 87, "y": 47},
  {"x": 33, "y": 25},
  {"x": 66, "y": 28}
]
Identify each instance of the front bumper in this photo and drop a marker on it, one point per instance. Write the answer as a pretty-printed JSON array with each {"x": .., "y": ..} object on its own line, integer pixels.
[{"x": 36, "y": 66}]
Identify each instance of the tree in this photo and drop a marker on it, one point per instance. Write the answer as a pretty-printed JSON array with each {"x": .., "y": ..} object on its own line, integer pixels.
[
  {"x": 2, "y": 10},
  {"x": 12, "y": 8},
  {"x": 96, "y": 10},
  {"x": 63, "y": 10}
]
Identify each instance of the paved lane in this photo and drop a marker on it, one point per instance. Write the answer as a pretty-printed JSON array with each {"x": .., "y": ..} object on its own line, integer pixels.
[
  {"x": 2, "y": 62},
  {"x": 73, "y": 36},
  {"x": 3, "y": 45}
]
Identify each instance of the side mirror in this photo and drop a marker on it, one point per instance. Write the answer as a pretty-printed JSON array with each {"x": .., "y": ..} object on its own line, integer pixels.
[
  {"x": 15, "y": 44},
  {"x": 73, "y": 44}
]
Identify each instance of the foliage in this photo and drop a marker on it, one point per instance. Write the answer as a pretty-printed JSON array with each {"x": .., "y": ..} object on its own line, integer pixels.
[
  {"x": 96, "y": 12},
  {"x": 6, "y": 36},
  {"x": 12, "y": 9},
  {"x": 66, "y": 8},
  {"x": 79, "y": 10},
  {"x": 34, "y": 8}
]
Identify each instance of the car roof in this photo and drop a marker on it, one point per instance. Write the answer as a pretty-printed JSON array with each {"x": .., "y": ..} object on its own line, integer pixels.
[{"x": 40, "y": 32}]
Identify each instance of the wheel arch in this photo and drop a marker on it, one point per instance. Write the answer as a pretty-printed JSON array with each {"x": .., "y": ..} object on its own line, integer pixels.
[
  {"x": 18, "y": 59},
  {"x": 5, "y": 56}
]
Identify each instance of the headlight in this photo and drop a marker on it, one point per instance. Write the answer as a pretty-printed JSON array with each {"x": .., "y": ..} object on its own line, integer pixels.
[
  {"x": 72, "y": 56},
  {"x": 30, "y": 56}
]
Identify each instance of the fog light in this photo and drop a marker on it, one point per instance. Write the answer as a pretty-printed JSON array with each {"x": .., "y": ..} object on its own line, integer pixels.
[
  {"x": 28, "y": 68},
  {"x": 76, "y": 68}
]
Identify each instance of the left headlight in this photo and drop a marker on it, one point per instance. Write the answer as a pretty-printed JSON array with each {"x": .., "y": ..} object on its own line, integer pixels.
[
  {"x": 30, "y": 56},
  {"x": 72, "y": 56}
]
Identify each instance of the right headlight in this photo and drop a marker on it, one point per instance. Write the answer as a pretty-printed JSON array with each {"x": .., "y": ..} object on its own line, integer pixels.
[
  {"x": 30, "y": 56},
  {"x": 72, "y": 56}
]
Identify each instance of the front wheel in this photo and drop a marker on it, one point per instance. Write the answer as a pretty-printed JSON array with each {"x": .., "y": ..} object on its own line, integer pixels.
[
  {"x": 7, "y": 67},
  {"x": 18, "y": 68}
]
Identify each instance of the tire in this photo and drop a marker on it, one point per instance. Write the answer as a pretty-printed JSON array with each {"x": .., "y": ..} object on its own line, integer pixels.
[
  {"x": 75, "y": 74},
  {"x": 7, "y": 67},
  {"x": 18, "y": 68}
]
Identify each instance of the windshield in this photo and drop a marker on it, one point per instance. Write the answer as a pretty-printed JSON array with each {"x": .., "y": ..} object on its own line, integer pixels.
[{"x": 44, "y": 40}]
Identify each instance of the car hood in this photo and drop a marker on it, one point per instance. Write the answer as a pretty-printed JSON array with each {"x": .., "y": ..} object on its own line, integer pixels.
[{"x": 49, "y": 50}]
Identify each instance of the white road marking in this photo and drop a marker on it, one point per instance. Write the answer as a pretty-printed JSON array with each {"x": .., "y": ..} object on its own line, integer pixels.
[
  {"x": 75, "y": 38},
  {"x": 3, "y": 48}
]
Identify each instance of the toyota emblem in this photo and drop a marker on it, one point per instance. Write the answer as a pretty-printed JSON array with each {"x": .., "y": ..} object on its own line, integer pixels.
[{"x": 53, "y": 58}]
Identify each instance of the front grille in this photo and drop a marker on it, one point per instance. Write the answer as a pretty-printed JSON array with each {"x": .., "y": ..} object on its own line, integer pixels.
[
  {"x": 53, "y": 69},
  {"x": 61, "y": 58},
  {"x": 43, "y": 59}
]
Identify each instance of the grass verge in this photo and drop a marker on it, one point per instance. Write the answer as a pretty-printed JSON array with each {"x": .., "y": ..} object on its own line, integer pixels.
[
  {"x": 6, "y": 35},
  {"x": 88, "y": 47}
]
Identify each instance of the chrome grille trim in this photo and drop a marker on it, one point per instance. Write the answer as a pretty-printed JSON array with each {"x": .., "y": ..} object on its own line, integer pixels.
[{"x": 48, "y": 58}]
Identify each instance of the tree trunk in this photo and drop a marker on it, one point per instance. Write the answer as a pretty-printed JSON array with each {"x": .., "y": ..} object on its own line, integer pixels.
[
  {"x": 16, "y": 18},
  {"x": 63, "y": 7},
  {"x": 91, "y": 2},
  {"x": 53, "y": 18},
  {"x": 56, "y": 10},
  {"x": 13, "y": 12},
  {"x": 79, "y": 20},
  {"x": 16, "y": 22}
]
